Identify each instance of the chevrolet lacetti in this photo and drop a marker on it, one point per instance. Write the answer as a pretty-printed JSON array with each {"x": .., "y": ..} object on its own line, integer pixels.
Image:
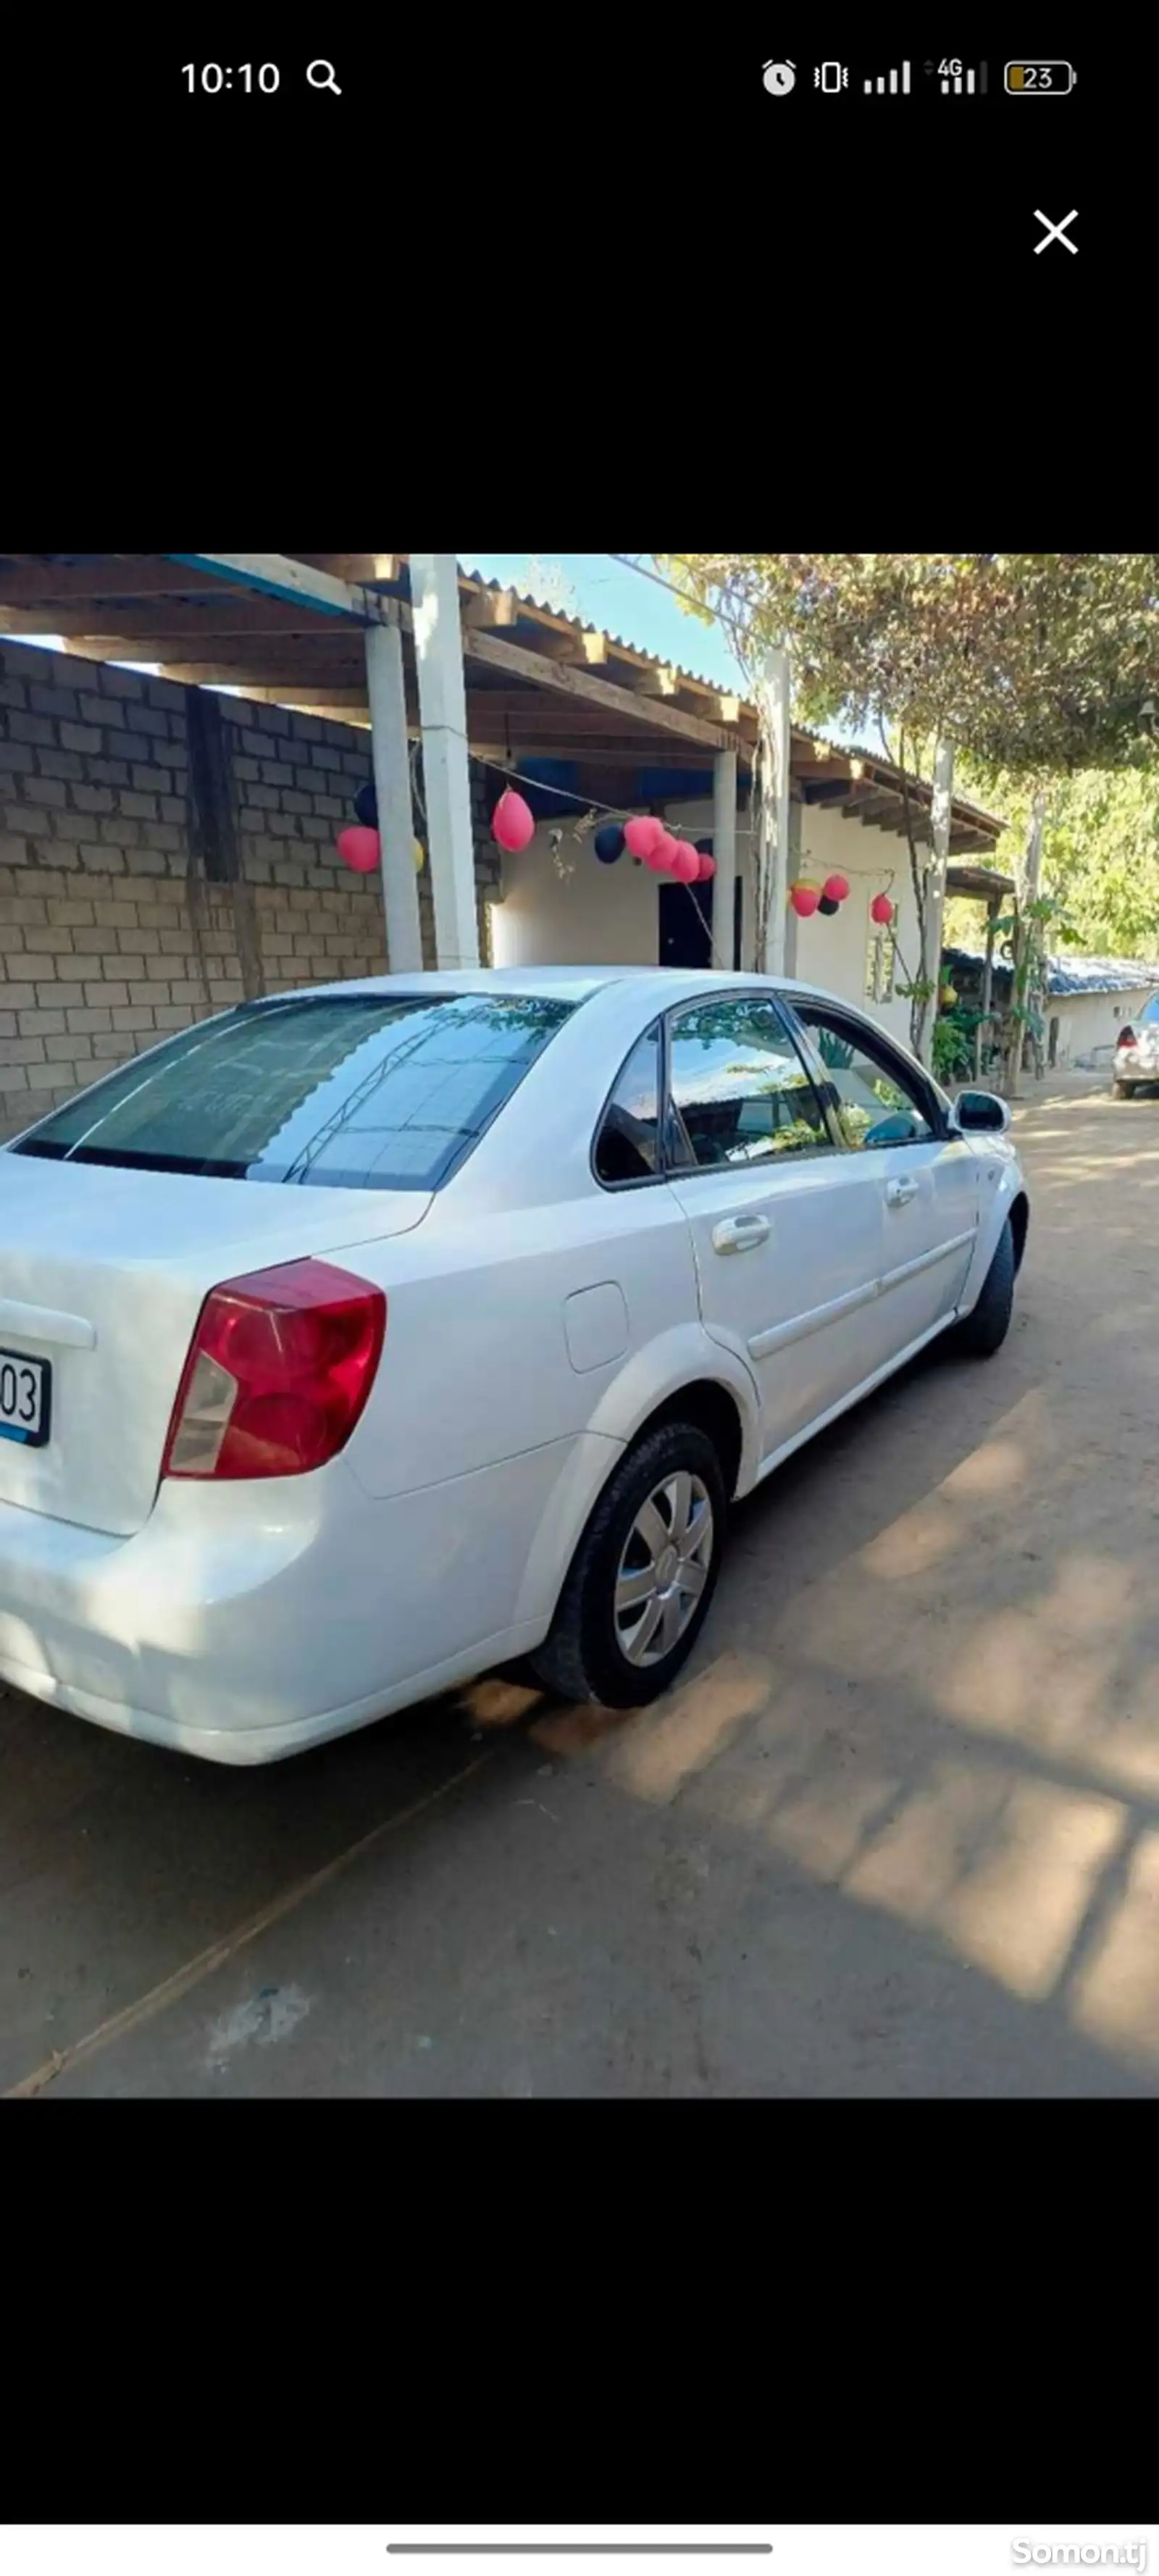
[{"x": 361, "y": 1339}]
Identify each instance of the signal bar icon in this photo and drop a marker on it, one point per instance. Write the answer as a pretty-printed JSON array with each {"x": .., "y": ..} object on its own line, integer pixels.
[
  {"x": 889, "y": 81},
  {"x": 958, "y": 80}
]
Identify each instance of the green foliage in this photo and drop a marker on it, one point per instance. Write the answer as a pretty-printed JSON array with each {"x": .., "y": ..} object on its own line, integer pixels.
[
  {"x": 1037, "y": 662},
  {"x": 952, "y": 1046},
  {"x": 1100, "y": 851}
]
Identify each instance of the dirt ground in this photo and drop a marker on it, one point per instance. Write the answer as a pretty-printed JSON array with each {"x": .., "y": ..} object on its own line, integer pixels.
[{"x": 896, "y": 1833}]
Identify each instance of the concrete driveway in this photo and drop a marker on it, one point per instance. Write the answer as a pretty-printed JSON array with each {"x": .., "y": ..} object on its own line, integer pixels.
[{"x": 897, "y": 1832}]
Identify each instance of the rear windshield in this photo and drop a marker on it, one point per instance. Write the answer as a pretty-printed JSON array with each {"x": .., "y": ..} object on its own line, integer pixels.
[
  {"x": 357, "y": 1093},
  {"x": 1151, "y": 1014}
]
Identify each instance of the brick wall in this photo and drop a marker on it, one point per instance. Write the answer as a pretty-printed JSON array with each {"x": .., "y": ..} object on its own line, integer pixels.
[{"x": 104, "y": 946}]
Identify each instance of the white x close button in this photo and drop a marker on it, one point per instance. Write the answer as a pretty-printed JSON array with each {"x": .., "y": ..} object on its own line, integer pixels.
[{"x": 1056, "y": 232}]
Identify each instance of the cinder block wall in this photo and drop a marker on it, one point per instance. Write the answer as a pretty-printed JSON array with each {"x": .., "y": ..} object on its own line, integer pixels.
[{"x": 103, "y": 949}]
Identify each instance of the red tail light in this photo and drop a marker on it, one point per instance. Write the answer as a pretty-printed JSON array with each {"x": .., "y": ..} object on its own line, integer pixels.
[
  {"x": 279, "y": 1370},
  {"x": 1127, "y": 1037}
]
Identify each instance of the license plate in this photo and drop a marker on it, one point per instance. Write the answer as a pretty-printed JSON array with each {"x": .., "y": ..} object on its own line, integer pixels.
[{"x": 25, "y": 1398}]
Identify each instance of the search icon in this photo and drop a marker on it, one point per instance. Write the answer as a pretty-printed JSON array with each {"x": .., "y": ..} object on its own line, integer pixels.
[{"x": 321, "y": 76}]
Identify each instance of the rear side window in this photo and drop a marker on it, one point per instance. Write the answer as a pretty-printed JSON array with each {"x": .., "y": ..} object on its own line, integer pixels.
[
  {"x": 352, "y": 1093},
  {"x": 626, "y": 1147}
]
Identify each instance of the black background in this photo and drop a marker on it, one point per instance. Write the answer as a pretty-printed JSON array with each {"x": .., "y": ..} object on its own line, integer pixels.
[{"x": 580, "y": 268}]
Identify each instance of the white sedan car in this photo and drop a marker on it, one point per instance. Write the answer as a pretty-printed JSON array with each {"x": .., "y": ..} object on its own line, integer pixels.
[{"x": 361, "y": 1339}]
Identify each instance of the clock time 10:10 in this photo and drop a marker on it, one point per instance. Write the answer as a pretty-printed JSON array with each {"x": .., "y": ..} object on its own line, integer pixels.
[{"x": 215, "y": 76}]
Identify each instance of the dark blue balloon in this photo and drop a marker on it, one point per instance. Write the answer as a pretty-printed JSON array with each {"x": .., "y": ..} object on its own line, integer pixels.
[
  {"x": 609, "y": 844},
  {"x": 704, "y": 849},
  {"x": 366, "y": 806}
]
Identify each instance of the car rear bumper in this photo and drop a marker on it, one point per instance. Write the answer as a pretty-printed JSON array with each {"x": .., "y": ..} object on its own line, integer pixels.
[
  {"x": 1133, "y": 1067},
  {"x": 245, "y": 1624}
]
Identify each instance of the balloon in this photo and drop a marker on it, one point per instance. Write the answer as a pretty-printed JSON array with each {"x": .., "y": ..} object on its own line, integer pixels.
[
  {"x": 686, "y": 864},
  {"x": 642, "y": 834},
  {"x": 881, "y": 909},
  {"x": 662, "y": 854},
  {"x": 360, "y": 848},
  {"x": 836, "y": 888},
  {"x": 707, "y": 865},
  {"x": 828, "y": 904},
  {"x": 512, "y": 822},
  {"x": 366, "y": 806},
  {"x": 804, "y": 899},
  {"x": 609, "y": 843}
]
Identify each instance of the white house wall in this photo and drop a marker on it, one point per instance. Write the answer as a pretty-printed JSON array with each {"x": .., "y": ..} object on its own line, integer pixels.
[
  {"x": 1089, "y": 1023},
  {"x": 589, "y": 916},
  {"x": 592, "y": 915},
  {"x": 832, "y": 950}
]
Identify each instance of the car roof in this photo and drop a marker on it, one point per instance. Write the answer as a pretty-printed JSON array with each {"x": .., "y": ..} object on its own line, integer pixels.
[{"x": 571, "y": 983}]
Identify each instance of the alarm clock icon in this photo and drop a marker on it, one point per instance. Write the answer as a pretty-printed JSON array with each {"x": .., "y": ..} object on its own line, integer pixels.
[{"x": 779, "y": 78}]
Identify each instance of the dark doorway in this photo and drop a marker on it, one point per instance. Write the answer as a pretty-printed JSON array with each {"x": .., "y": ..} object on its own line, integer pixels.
[
  {"x": 686, "y": 926},
  {"x": 1052, "y": 1058}
]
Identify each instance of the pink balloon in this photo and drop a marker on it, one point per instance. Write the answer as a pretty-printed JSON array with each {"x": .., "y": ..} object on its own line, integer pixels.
[
  {"x": 707, "y": 866},
  {"x": 805, "y": 899},
  {"x": 686, "y": 864},
  {"x": 881, "y": 908},
  {"x": 642, "y": 834},
  {"x": 512, "y": 822},
  {"x": 360, "y": 848},
  {"x": 662, "y": 854},
  {"x": 836, "y": 887}
]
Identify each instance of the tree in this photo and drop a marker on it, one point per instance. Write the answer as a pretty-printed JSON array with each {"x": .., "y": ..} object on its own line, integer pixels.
[
  {"x": 1039, "y": 663},
  {"x": 1100, "y": 850}
]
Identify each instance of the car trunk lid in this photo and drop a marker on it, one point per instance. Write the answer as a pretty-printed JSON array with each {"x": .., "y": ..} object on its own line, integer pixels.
[{"x": 102, "y": 1276}]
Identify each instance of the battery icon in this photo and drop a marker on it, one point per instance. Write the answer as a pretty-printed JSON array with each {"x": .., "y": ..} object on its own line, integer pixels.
[{"x": 1039, "y": 80}]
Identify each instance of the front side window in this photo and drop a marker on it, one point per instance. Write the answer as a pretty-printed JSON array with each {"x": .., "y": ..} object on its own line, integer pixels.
[
  {"x": 739, "y": 1092},
  {"x": 877, "y": 1101},
  {"x": 627, "y": 1146},
  {"x": 357, "y": 1092}
]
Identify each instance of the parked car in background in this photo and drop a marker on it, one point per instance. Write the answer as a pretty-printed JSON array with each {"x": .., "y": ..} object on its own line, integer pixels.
[
  {"x": 360, "y": 1339},
  {"x": 1137, "y": 1052}
]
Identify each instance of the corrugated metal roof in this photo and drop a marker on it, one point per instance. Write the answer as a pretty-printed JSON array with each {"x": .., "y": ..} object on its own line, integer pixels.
[
  {"x": 624, "y": 644},
  {"x": 1075, "y": 975}
]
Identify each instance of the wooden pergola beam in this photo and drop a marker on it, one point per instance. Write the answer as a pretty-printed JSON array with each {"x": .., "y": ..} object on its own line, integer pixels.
[
  {"x": 110, "y": 577},
  {"x": 284, "y": 577},
  {"x": 581, "y": 685}
]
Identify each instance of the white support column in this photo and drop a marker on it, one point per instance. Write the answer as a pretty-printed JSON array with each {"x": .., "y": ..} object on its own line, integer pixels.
[
  {"x": 936, "y": 887},
  {"x": 792, "y": 922},
  {"x": 384, "y": 677},
  {"x": 438, "y": 647},
  {"x": 773, "y": 856},
  {"x": 724, "y": 853}
]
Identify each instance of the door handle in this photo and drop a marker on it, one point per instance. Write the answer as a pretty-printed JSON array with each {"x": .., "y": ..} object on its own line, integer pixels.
[
  {"x": 739, "y": 1233},
  {"x": 899, "y": 1193}
]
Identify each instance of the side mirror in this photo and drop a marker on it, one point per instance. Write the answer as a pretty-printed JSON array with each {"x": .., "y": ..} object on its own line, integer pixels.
[{"x": 978, "y": 1113}]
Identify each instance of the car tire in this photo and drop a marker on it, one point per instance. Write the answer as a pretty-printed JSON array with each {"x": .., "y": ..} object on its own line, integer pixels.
[
  {"x": 984, "y": 1329},
  {"x": 1123, "y": 1090},
  {"x": 600, "y": 1647}
]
